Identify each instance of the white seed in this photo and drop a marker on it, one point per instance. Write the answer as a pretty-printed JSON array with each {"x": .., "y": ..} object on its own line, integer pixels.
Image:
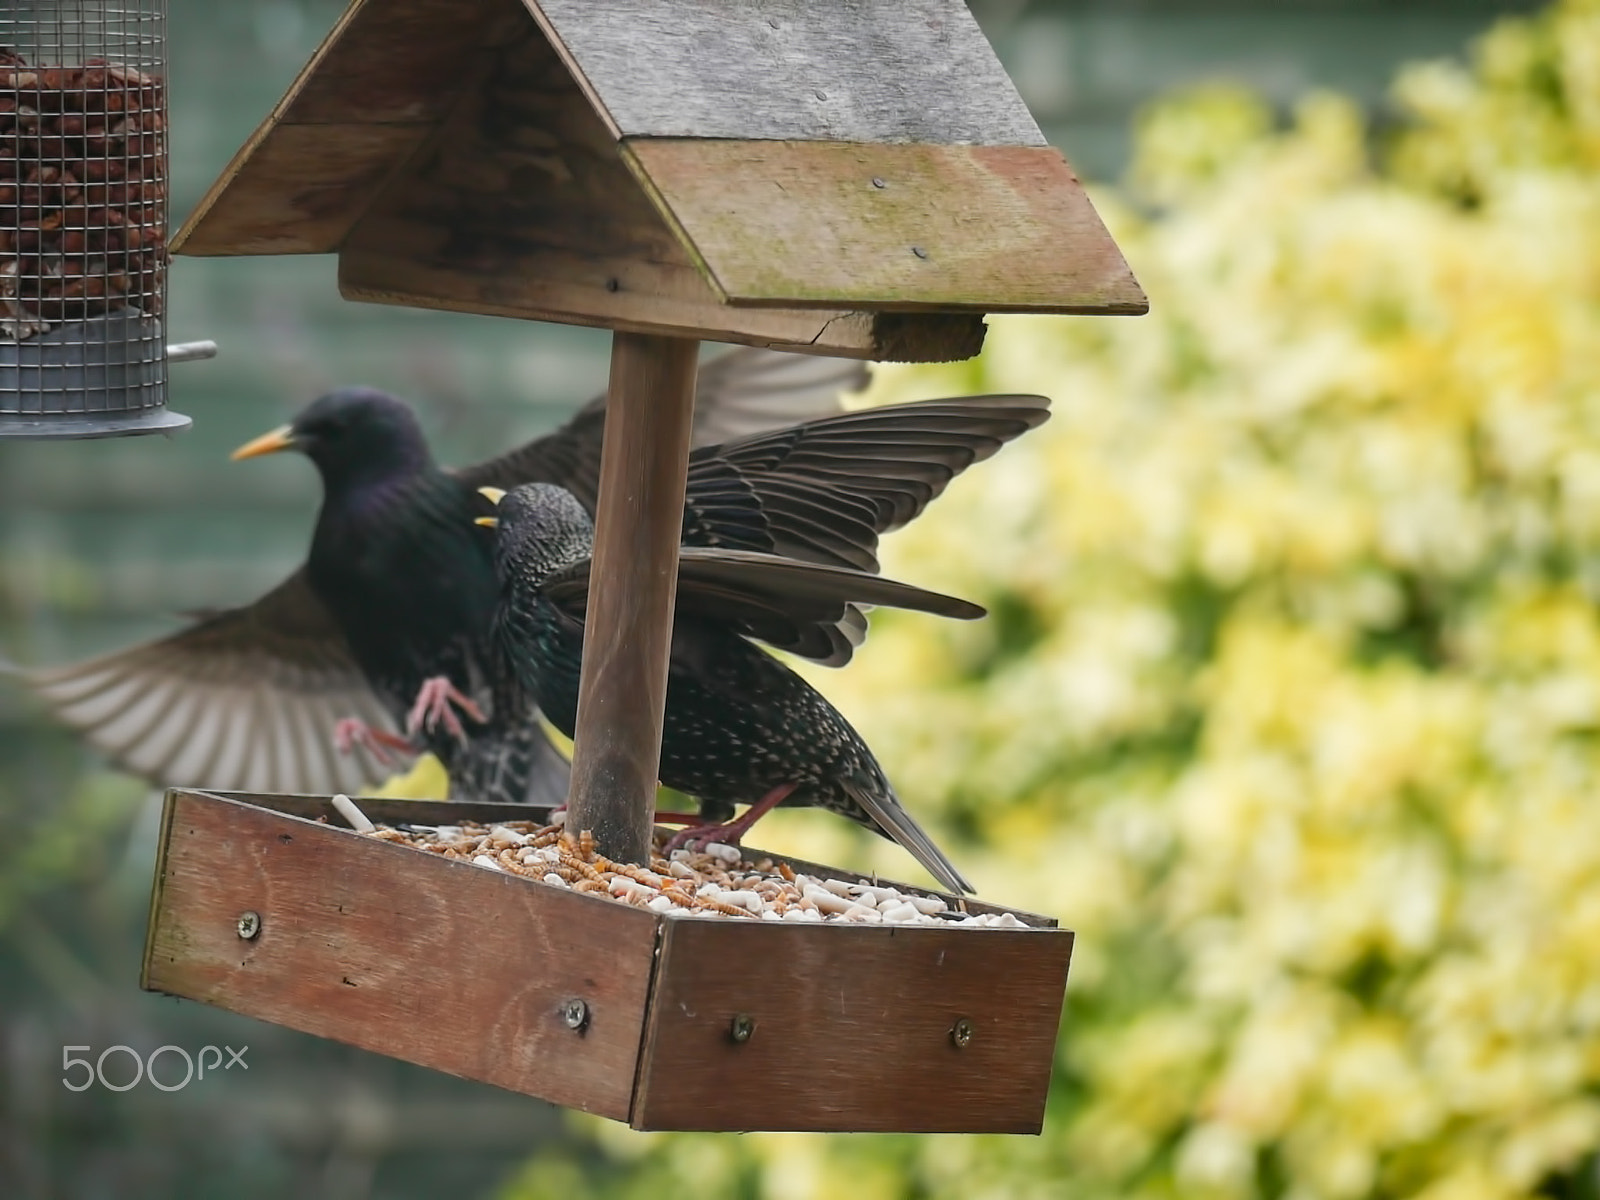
[
  {"x": 347, "y": 809},
  {"x": 559, "y": 819},
  {"x": 827, "y": 901},
  {"x": 624, "y": 887},
  {"x": 718, "y": 875}
]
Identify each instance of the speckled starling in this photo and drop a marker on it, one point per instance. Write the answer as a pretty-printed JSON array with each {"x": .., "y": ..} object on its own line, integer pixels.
[{"x": 739, "y": 727}]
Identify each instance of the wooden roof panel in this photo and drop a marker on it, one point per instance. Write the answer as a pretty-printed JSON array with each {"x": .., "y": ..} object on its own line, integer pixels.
[
  {"x": 843, "y": 71},
  {"x": 299, "y": 191},
  {"x": 984, "y": 228}
]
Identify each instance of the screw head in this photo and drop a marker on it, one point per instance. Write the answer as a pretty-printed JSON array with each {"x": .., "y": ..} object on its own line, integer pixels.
[
  {"x": 878, "y": 183},
  {"x": 249, "y": 925},
  {"x": 742, "y": 1026},
  {"x": 961, "y": 1033},
  {"x": 575, "y": 1014},
  {"x": 919, "y": 252}
]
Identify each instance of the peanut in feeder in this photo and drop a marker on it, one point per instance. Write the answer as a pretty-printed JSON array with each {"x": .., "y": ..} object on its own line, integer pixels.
[{"x": 856, "y": 179}]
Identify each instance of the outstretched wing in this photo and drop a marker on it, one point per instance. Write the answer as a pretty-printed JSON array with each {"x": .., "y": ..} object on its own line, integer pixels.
[
  {"x": 737, "y": 394},
  {"x": 790, "y": 605},
  {"x": 244, "y": 699},
  {"x": 826, "y": 490}
]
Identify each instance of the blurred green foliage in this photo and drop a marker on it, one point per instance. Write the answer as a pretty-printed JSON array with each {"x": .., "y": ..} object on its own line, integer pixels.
[{"x": 1290, "y": 702}]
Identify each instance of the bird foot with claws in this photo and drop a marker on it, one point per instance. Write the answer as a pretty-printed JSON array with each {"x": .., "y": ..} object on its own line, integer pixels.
[
  {"x": 387, "y": 748},
  {"x": 433, "y": 709},
  {"x": 698, "y": 837}
]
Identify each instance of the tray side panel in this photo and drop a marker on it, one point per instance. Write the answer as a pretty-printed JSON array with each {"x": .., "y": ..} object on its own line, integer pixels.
[
  {"x": 853, "y": 1028},
  {"x": 439, "y": 963}
]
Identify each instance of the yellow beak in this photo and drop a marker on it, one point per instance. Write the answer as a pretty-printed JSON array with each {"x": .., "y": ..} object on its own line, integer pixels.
[
  {"x": 493, "y": 495},
  {"x": 268, "y": 443}
]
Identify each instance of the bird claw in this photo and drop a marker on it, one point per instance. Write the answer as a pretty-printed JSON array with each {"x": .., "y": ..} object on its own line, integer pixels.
[
  {"x": 350, "y": 732},
  {"x": 433, "y": 708},
  {"x": 698, "y": 837}
]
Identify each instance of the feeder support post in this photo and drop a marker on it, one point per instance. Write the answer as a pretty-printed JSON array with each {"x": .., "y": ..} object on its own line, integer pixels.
[{"x": 633, "y": 583}]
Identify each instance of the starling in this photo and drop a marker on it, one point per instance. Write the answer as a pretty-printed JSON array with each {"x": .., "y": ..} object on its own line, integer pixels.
[
  {"x": 384, "y": 629},
  {"x": 739, "y": 726}
]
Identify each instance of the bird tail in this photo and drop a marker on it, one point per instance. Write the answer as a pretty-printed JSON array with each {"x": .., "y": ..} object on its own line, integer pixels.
[
  {"x": 892, "y": 819},
  {"x": 516, "y": 765}
]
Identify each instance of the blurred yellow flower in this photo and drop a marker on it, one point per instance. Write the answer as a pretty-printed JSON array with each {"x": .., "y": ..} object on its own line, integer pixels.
[{"x": 1289, "y": 698}]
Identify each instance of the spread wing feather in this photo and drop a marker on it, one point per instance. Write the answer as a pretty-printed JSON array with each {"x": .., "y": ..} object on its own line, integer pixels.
[{"x": 245, "y": 699}]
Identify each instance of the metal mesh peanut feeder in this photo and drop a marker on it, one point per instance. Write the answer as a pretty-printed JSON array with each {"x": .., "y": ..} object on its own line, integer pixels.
[{"x": 83, "y": 219}]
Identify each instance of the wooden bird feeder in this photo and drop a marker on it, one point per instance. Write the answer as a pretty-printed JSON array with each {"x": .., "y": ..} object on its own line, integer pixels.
[
  {"x": 665, "y": 1022},
  {"x": 857, "y": 178}
]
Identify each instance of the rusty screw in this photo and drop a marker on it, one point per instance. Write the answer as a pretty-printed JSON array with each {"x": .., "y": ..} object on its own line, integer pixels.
[
  {"x": 249, "y": 925},
  {"x": 961, "y": 1033},
  {"x": 742, "y": 1027}
]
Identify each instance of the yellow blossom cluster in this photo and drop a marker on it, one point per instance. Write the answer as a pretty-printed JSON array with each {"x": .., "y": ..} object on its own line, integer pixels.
[{"x": 1289, "y": 702}]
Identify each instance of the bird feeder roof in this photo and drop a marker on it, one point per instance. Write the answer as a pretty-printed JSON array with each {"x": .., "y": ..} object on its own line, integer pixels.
[{"x": 858, "y": 177}]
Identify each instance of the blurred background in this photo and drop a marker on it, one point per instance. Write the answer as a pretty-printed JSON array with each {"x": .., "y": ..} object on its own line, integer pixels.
[{"x": 1289, "y": 703}]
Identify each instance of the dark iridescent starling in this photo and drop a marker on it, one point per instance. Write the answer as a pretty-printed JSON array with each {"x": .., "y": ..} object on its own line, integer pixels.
[
  {"x": 384, "y": 629},
  {"x": 740, "y": 727}
]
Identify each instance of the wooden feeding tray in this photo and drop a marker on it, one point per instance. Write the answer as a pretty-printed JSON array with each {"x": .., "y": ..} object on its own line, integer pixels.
[{"x": 666, "y": 1022}]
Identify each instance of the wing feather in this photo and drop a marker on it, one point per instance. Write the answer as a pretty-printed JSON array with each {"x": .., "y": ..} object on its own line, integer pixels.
[
  {"x": 242, "y": 699},
  {"x": 742, "y": 392}
]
